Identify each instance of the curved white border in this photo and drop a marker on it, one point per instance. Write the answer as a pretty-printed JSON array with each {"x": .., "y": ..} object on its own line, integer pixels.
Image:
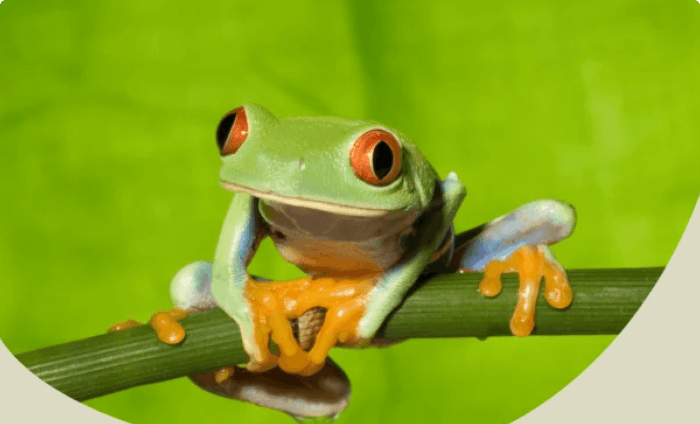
[
  {"x": 649, "y": 374},
  {"x": 24, "y": 398}
]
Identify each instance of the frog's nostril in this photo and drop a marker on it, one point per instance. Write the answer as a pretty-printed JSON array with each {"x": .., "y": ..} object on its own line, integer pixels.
[{"x": 302, "y": 164}]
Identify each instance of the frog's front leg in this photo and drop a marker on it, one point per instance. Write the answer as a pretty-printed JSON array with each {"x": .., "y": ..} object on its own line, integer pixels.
[
  {"x": 518, "y": 242},
  {"x": 240, "y": 235},
  {"x": 391, "y": 288},
  {"x": 356, "y": 307},
  {"x": 342, "y": 301},
  {"x": 261, "y": 310}
]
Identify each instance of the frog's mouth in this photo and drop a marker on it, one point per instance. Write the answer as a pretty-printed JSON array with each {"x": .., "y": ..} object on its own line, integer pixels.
[{"x": 301, "y": 202}]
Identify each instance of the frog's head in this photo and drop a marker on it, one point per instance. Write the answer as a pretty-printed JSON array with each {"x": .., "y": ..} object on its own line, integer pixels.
[{"x": 350, "y": 167}]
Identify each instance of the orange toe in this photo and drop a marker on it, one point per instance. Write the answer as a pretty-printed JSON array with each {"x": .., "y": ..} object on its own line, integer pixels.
[
  {"x": 490, "y": 285},
  {"x": 531, "y": 265},
  {"x": 557, "y": 290},
  {"x": 223, "y": 374},
  {"x": 130, "y": 323},
  {"x": 166, "y": 326},
  {"x": 274, "y": 304}
]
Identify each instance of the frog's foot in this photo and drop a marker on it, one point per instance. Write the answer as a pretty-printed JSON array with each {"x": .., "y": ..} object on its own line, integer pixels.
[
  {"x": 165, "y": 323},
  {"x": 280, "y": 306},
  {"x": 324, "y": 394},
  {"x": 269, "y": 322},
  {"x": 531, "y": 263}
]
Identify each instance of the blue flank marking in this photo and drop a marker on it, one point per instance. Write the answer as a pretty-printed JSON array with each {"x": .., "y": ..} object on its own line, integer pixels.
[
  {"x": 480, "y": 253},
  {"x": 523, "y": 227}
]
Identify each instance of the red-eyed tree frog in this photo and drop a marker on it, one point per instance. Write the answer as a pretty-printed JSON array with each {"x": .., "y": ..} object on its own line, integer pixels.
[{"x": 355, "y": 206}]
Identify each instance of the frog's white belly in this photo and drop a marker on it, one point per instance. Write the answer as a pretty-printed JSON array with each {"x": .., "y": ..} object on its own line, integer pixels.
[{"x": 326, "y": 244}]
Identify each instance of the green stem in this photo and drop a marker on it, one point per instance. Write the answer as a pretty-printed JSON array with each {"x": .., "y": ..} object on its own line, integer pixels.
[{"x": 448, "y": 306}]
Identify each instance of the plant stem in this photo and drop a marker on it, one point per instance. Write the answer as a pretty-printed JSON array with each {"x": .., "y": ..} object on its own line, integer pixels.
[{"x": 449, "y": 305}]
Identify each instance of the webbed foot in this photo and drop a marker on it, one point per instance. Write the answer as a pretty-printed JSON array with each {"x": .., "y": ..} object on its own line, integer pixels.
[
  {"x": 531, "y": 263},
  {"x": 274, "y": 305}
]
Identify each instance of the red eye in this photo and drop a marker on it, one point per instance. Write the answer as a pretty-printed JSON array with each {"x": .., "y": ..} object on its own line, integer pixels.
[
  {"x": 376, "y": 157},
  {"x": 232, "y": 131}
]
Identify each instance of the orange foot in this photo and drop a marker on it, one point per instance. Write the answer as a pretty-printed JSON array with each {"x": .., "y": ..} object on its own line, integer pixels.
[
  {"x": 166, "y": 325},
  {"x": 274, "y": 304},
  {"x": 170, "y": 331},
  {"x": 223, "y": 374},
  {"x": 531, "y": 265}
]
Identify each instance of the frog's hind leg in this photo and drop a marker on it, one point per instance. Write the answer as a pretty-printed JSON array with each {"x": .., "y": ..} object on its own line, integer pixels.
[
  {"x": 326, "y": 393},
  {"x": 190, "y": 288},
  {"x": 518, "y": 242}
]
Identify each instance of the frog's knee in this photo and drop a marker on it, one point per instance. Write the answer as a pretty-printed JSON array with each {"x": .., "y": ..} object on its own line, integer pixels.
[
  {"x": 453, "y": 190},
  {"x": 190, "y": 288},
  {"x": 562, "y": 216}
]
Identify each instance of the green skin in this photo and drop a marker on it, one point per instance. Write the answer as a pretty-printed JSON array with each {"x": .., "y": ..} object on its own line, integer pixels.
[
  {"x": 304, "y": 162},
  {"x": 294, "y": 182}
]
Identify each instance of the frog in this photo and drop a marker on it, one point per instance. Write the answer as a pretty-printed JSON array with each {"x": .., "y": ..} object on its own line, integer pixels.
[{"x": 357, "y": 207}]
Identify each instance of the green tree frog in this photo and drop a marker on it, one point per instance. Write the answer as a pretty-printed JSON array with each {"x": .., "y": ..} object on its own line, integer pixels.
[{"x": 357, "y": 207}]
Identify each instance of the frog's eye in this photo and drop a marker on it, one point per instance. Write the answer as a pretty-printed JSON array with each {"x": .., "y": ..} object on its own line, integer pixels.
[
  {"x": 232, "y": 131},
  {"x": 376, "y": 157}
]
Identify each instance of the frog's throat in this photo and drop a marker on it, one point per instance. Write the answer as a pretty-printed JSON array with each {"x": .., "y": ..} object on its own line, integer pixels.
[{"x": 320, "y": 205}]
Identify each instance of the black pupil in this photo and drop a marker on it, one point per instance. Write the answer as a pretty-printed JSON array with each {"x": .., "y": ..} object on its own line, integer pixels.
[
  {"x": 382, "y": 160},
  {"x": 224, "y": 129}
]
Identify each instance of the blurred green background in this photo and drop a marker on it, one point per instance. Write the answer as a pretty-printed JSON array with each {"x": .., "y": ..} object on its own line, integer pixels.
[{"x": 109, "y": 166}]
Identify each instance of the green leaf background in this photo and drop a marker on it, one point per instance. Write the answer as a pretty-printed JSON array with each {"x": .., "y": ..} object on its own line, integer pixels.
[{"x": 108, "y": 165}]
